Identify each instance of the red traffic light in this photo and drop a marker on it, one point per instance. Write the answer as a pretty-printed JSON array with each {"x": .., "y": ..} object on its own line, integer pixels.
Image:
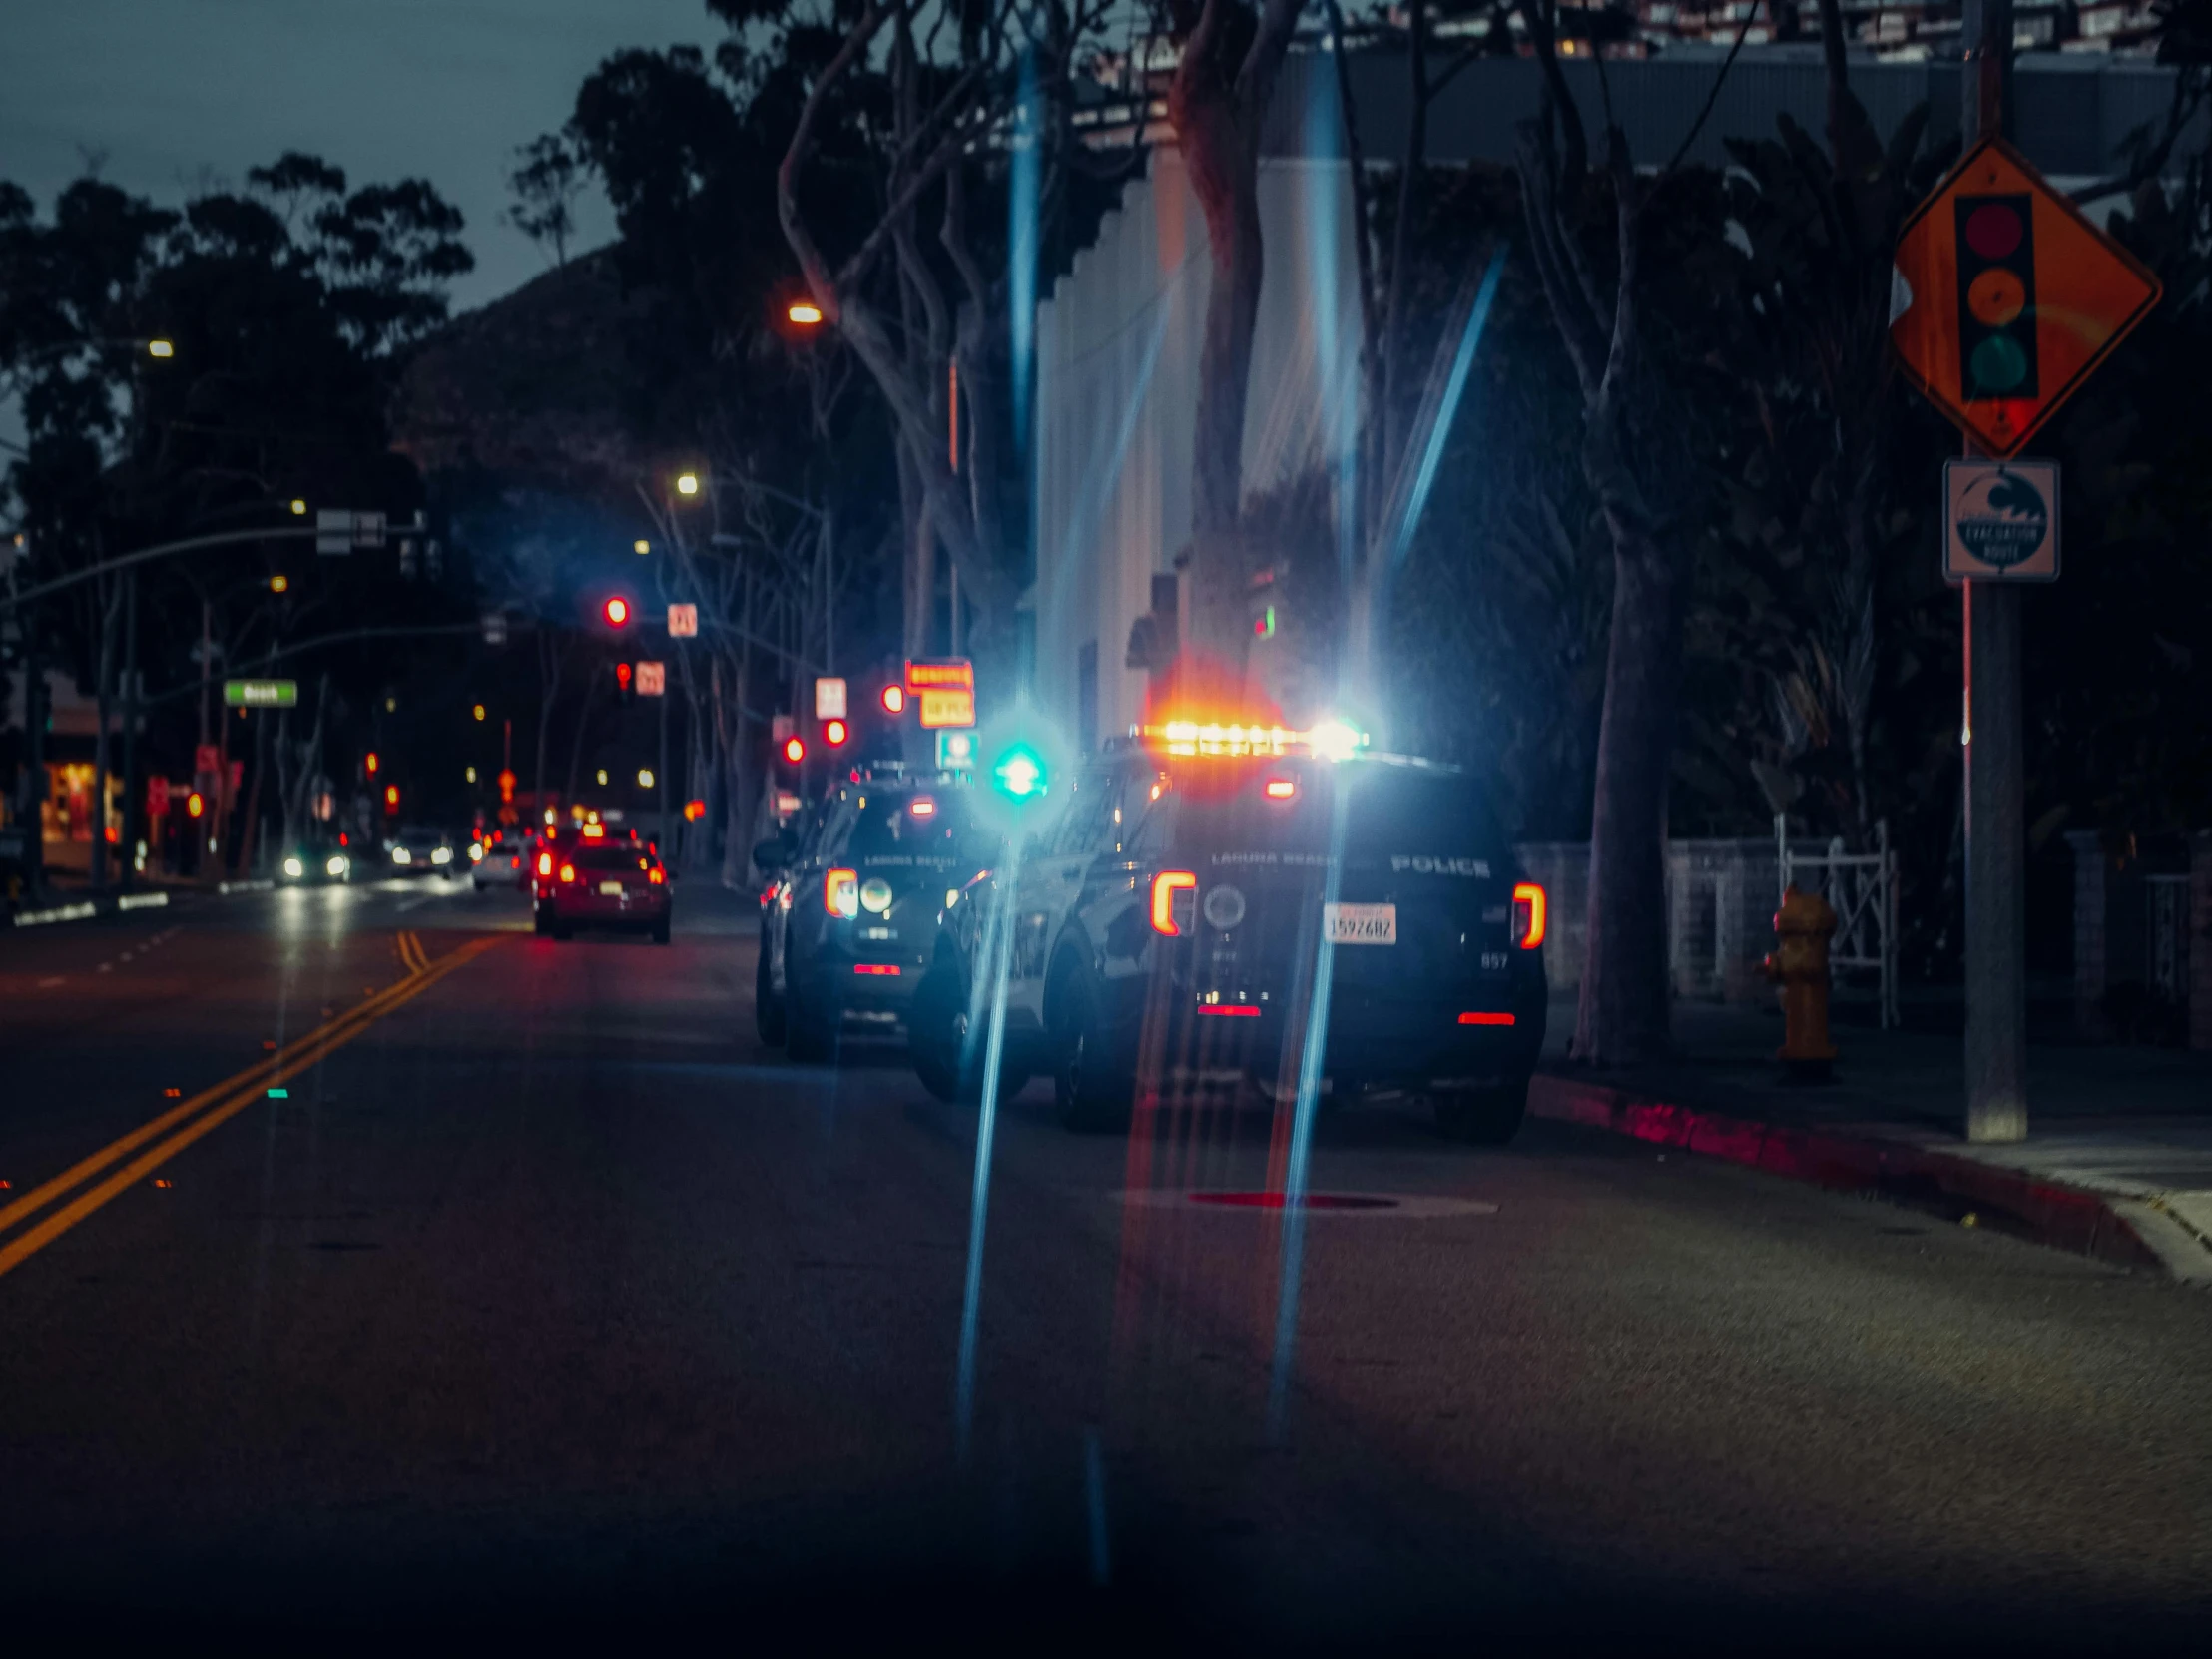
[
  {"x": 795, "y": 749},
  {"x": 895, "y": 700},
  {"x": 834, "y": 733},
  {"x": 372, "y": 762},
  {"x": 616, "y": 611},
  {"x": 391, "y": 798},
  {"x": 622, "y": 674},
  {"x": 195, "y": 804}
]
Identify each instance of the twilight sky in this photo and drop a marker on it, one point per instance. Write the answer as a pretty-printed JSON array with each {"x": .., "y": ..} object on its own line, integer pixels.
[{"x": 175, "y": 93}]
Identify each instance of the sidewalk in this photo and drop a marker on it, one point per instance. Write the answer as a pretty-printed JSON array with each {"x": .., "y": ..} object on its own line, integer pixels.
[{"x": 2118, "y": 1163}]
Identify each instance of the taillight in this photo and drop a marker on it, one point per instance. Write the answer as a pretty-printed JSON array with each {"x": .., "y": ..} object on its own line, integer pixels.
[
  {"x": 841, "y": 892},
  {"x": 1282, "y": 789},
  {"x": 1165, "y": 886},
  {"x": 1528, "y": 915},
  {"x": 545, "y": 864},
  {"x": 568, "y": 872},
  {"x": 657, "y": 877}
]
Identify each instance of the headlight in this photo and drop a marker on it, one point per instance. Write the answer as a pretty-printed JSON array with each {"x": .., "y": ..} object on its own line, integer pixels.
[
  {"x": 339, "y": 866},
  {"x": 294, "y": 868},
  {"x": 475, "y": 853},
  {"x": 442, "y": 855},
  {"x": 399, "y": 855}
]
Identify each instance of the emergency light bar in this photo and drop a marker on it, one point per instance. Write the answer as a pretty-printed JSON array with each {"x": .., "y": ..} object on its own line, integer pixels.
[{"x": 1331, "y": 740}]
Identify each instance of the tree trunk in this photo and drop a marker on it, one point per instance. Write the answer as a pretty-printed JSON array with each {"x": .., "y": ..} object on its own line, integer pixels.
[
  {"x": 248, "y": 835},
  {"x": 1622, "y": 1015},
  {"x": 583, "y": 726}
]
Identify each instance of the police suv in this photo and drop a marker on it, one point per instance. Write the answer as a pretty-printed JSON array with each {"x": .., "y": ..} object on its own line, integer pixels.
[
  {"x": 1203, "y": 887},
  {"x": 846, "y": 930}
]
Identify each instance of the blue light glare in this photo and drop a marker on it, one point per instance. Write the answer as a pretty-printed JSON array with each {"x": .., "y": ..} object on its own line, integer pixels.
[
  {"x": 998, "y": 942},
  {"x": 1021, "y": 243}
]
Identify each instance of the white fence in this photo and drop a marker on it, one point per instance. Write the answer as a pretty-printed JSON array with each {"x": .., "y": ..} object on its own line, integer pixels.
[{"x": 1861, "y": 889}]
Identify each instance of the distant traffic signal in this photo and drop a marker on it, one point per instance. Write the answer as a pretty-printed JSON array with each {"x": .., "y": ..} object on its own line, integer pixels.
[
  {"x": 391, "y": 798},
  {"x": 616, "y": 611},
  {"x": 895, "y": 700},
  {"x": 795, "y": 749},
  {"x": 622, "y": 677},
  {"x": 834, "y": 732},
  {"x": 1018, "y": 772},
  {"x": 370, "y": 764}
]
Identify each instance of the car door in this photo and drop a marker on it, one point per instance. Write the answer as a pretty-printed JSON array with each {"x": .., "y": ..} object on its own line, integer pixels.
[
  {"x": 800, "y": 918},
  {"x": 1052, "y": 878}
]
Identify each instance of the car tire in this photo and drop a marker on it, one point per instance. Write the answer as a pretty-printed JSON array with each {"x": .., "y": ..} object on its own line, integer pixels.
[
  {"x": 540, "y": 924},
  {"x": 1481, "y": 1117},
  {"x": 768, "y": 1007},
  {"x": 938, "y": 1042},
  {"x": 659, "y": 931},
  {"x": 812, "y": 1033},
  {"x": 562, "y": 932},
  {"x": 1094, "y": 1096}
]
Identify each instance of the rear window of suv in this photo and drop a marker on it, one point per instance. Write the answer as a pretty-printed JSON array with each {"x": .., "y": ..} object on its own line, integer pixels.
[
  {"x": 887, "y": 827},
  {"x": 1392, "y": 810},
  {"x": 618, "y": 856}
]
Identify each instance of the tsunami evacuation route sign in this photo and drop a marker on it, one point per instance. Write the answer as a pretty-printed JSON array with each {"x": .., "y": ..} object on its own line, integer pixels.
[{"x": 2000, "y": 521}]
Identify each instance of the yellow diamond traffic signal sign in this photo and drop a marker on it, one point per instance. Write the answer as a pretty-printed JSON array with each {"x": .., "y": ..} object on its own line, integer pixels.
[{"x": 2006, "y": 298}]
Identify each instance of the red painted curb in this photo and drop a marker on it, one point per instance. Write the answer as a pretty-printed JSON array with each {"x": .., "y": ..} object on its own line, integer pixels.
[{"x": 2048, "y": 1212}]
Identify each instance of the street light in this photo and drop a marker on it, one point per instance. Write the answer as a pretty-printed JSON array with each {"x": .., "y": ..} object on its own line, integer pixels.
[
  {"x": 479, "y": 710},
  {"x": 160, "y": 348},
  {"x": 299, "y": 508},
  {"x": 686, "y": 484},
  {"x": 641, "y": 545},
  {"x": 645, "y": 777},
  {"x": 805, "y": 314},
  {"x": 616, "y": 611}
]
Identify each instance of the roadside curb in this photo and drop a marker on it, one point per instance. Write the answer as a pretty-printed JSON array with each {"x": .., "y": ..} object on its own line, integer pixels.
[
  {"x": 86, "y": 909},
  {"x": 2104, "y": 1226}
]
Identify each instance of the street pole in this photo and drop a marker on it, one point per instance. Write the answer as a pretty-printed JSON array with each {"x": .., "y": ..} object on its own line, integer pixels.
[
  {"x": 129, "y": 731},
  {"x": 660, "y": 772},
  {"x": 1991, "y": 735}
]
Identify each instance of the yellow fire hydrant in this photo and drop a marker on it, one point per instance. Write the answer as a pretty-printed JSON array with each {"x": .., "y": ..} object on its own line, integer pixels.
[{"x": 1798, "y": 964}]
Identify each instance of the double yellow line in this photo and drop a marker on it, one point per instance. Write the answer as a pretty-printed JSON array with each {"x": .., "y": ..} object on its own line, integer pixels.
[
  {"x": 413, "y": 953},
  {"x": 209, "y": 1110}
]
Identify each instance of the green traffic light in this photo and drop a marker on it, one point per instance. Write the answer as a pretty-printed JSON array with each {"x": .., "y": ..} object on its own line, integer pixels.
[{"x": 1020, "y": 772}]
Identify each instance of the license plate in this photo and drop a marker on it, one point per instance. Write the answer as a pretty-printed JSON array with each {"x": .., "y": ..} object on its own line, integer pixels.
[
  {"x": 609, "y": 890},
  {"x": 1361, "y": 923}
]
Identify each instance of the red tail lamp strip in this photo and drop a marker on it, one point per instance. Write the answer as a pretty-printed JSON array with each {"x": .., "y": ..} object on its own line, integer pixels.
[
  {"x": 888, "y": 970},
  {"x": 1485, "y": 1019},
  {"x": 1529, "y": 919},
  {"x": 1231, "y": 1010}
]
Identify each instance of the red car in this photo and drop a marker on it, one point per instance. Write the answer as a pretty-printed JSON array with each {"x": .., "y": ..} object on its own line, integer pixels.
[{"x": 599, "y": 882}]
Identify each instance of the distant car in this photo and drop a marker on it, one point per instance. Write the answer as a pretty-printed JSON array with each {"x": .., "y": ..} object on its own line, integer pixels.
[
  {"x": 417, "y": 851},
  {"x": 308, "y": 866},
  {"x": 846, "y": 930},
  {"x": 500, "y": 860},
  {"x": 601, "y": 881}
]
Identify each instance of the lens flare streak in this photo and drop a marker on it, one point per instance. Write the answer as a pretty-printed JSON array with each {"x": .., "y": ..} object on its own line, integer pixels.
[{"x": 998, "y": 942}]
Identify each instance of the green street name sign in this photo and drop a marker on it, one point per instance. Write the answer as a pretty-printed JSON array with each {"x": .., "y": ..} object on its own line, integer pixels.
[{"x": 261, "y": 693}]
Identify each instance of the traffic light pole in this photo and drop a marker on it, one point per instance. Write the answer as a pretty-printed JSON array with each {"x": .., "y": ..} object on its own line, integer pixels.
[{"x": 1991, "y": 740}]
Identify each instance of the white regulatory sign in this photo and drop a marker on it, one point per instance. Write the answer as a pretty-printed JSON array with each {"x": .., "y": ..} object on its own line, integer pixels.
[
  {"x": 1361, "y": 923},
  {"x": 652, "y": 679},
  {"x": 682, "y": 622},
  {"x": 830, "y": 699},
  {"x": 2000, "y": 521}
]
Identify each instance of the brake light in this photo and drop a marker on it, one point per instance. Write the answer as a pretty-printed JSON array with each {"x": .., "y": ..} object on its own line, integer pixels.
[
  {"x": 841, "y": 892},
  {"x": 656, "y": 877},
  {"x": 1231, "y": 1010},
  {"x": 568, "y": 872},
  {"x": 1528, "y": 915},
  {"x": 922, "y": 807},
  {"x": 1282, "y": 789},
  {"x": 1165, "y": 886},
  {"x": 881, "y": 971},
  {"x": 593, "y": 831},
  {"x": 1485, "y": 1019},
  {"x": 545, "y": 864}
]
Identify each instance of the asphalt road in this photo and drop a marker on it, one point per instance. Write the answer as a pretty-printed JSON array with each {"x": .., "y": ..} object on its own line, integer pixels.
[{"x": 544, "y": 1300}]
